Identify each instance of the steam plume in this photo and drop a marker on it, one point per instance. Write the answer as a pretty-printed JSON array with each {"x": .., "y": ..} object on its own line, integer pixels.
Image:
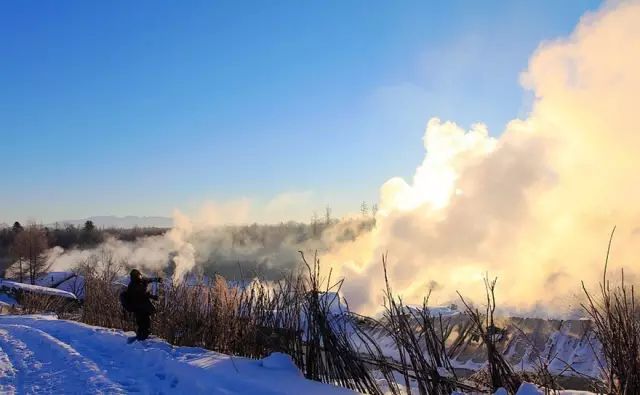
[{"x": 534, "y": 206}]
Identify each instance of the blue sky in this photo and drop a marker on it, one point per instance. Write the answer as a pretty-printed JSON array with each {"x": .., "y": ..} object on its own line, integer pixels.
[{"x": 137, "y": 108}]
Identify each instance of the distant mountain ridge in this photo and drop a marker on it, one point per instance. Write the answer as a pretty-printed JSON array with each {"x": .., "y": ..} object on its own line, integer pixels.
[{"x": 130, "y": 221}]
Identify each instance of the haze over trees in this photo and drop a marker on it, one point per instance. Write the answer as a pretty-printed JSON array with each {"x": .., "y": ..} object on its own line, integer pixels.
[{"x": 23, "y": 248}]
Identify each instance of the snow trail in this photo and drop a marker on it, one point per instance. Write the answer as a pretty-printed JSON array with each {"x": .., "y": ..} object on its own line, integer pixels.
[
  {"x": 7, "y": 372},
  {"x": 45, "y": 363},
  {"x": 43, "y": 355}
]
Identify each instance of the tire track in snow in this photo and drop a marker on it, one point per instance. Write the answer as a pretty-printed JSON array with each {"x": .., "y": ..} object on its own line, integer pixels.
[
  {"x": 7, "y": 374},
  {"x": 150, "y": 367},
  {"x": 45, "y": 365},
  {"x": 136, "y": 368},
  {"x": 19, "y": 353}
]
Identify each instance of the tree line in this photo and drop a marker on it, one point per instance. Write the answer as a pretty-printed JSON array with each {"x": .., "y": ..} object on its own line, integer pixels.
[{"x": 22, "y": 248}]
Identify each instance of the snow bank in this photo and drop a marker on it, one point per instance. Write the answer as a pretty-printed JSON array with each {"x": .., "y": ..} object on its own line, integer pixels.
[
  {"x": 40, "y": 354},
  {"x": 532, "y": 389},
  {"x": 7, "y": 300},
  {"x": 282, "y": 362},
  {"x": 434, "y": 311},
  {"x": 6, "y": 285}
]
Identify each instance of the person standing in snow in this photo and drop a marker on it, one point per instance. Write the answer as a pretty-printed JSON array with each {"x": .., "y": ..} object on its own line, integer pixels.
[{"x": 137, "y": 299}]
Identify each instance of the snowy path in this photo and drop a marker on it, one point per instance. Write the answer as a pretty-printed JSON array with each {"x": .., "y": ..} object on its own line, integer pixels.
[{"x": 43, "y": 355}]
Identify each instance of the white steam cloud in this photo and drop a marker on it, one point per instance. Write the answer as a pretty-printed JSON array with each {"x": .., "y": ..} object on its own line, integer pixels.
[
  {"x": 185, "y": 258},
  {"x": 209, "y": 245},
  {"x": 533, "y": 207}
]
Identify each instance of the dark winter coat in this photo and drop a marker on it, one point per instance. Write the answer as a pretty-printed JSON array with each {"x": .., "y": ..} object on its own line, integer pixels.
[{"x": 138, "y": 298}]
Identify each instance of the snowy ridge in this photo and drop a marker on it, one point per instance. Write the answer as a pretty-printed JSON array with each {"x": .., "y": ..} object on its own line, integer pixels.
[
  {"x": 569, "y": 347},
  {"x": 6, "y": 285},
  {"x": 44, "y": 355}
]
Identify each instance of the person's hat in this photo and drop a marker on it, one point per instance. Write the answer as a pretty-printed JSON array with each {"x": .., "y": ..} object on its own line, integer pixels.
[{"x": 135, "y": 273}]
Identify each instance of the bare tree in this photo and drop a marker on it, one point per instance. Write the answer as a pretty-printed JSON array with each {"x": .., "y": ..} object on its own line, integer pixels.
[
  {"x": 500, "y": 372},
  {"x": 18, "y": 264},
  {"x": 314, "y": 223},
  {"x": 29, "y": 246},
  {"x": 615, "y": 315},
  {"x": 364, "y": 209}
]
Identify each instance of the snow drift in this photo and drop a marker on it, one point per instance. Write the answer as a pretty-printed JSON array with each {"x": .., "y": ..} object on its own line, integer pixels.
[{"x": 40, "y": 354}]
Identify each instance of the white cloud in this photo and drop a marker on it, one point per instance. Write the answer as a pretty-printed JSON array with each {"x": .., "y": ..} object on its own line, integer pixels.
[{"x": 533, "y": 206}]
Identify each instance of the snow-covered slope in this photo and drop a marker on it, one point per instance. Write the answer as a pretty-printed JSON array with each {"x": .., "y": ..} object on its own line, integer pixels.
[
  {"x": 44, "y": 355},
  {"x": 569, "y": 347}
]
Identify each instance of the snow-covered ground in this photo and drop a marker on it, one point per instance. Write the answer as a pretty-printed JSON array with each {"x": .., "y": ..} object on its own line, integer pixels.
[
  {"x": 531, "y": 389},
  {"x": 44, "y": 355}
]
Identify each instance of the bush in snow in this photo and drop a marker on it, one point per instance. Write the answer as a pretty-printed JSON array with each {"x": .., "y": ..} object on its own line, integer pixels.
[{"x": 616, "y": 319}]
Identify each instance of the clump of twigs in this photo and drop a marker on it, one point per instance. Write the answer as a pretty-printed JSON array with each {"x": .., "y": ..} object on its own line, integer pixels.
[
  {"x": 499, "y": 371},
  {"x": 251, "y": 319},
  {"x": 329, "y": 354},
  {"x": 32, "y": 303},
  {"x": 101, "y": 304},
  {"x": 101, "y": 292},
  {"x": 422, "y": 362},
  {"x": 541, "y": 375},
  {"x": 616, "y": 320}
]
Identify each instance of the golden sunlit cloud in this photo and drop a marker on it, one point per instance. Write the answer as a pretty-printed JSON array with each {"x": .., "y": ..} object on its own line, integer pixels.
[{"x": 533, "y": 207}]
